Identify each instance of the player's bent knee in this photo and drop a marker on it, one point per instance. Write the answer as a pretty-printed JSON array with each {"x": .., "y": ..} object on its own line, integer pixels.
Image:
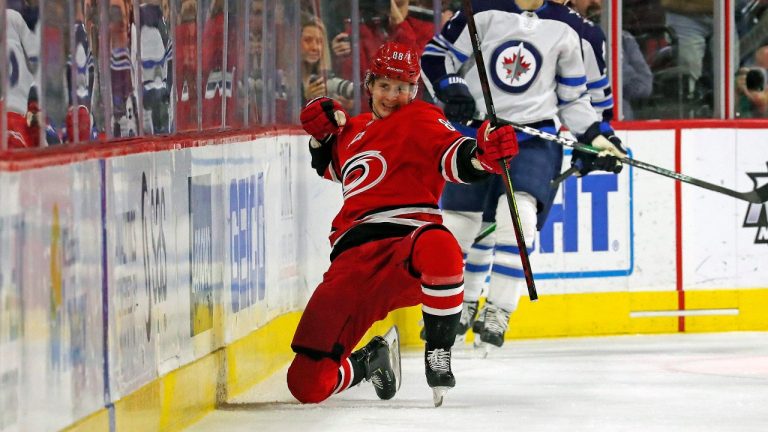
[
  {"x": 437, "y": 254},
  {"x": 312, "y": 381}
]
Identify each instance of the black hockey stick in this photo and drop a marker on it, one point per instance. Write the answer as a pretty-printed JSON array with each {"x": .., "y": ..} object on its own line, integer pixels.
[
  {"x": 510, "y": 192},
  {"x": 757, "y": 196},
  {"x": 564, "y": 175}
]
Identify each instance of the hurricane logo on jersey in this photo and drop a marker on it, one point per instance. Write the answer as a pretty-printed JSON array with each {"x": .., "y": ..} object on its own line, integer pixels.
[
  {"x": 515, "y": 66},
  {"x": 362, "y": 172}
]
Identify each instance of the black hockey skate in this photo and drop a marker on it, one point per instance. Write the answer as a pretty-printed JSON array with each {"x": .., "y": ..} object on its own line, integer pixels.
[
  {"x": 468, "y": 316},
  {"x": 381, "y": 359},
  {"x": 437, "y": 366}
]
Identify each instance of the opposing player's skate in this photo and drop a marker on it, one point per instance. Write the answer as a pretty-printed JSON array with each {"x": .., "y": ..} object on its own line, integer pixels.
[
  {"x": 437, "y": 366},
  {"x": 468, "y": 316},
  {"x": 492, "y": 327},
  {"x": 381, "y": 358}
]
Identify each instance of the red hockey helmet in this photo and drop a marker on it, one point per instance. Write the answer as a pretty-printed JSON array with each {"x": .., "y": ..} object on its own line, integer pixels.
[{"x": 396, "y": 61}]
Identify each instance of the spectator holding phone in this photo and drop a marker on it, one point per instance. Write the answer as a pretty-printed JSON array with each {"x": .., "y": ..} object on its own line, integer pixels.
[{"x": 315, "y": 60}]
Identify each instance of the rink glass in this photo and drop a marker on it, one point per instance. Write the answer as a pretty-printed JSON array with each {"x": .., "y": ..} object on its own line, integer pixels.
[{"x": 162, "y": 67}]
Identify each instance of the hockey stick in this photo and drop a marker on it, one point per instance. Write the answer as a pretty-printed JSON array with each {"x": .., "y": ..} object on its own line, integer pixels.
[
  {"x": 485, "y": 233},
  {"x": 564, "y": 175},
  {"x": 757, "y": 196},
  {"x": 510, "y": 192},
  {"x": 553, "y": 184}
]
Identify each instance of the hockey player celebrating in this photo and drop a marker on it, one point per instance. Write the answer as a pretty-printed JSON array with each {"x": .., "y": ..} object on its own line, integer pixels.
[
  {"x": 533, "y": 51},
  {"x": 390, "y": 249}
]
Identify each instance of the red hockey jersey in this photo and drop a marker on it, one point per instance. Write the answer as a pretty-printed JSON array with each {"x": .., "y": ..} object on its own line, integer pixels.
[{"x": 393, "y": 170}]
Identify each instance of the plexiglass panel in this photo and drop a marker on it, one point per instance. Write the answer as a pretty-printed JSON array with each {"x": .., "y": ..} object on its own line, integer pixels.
[
  {"x": 186, "y": 65},
  {"x": 254, "y": 85},
  {"x": 3, "y": 78},
  {"x": 235, "y": 67},
  {"x": 156, "y": 58},
  {"x": 123, "y": 67},
  {"x": 676, "y": 40},
  {"x": 54, "y": 67},
  {"x": 751, "y": 59}
]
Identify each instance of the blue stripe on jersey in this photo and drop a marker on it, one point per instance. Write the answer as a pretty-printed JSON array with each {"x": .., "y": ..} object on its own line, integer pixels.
[
  {"x": 508, "y": 271},
  {"x": 477, "y": 268},
  {"x": 448, "y": 46},
  {"x": 572, "y": 81},
  {"x": 481, "y": 246},
  {"x": 604, "y": 104},
  {"x": 603, "y": 82},
  {"x": 513, "y": 249}
]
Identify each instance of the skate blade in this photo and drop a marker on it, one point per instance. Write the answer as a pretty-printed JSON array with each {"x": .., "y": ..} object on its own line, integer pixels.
[
  {"x": 437, "y": 395},
  {"x": 393, "y": 340},
  {"x": 483, "y": 348}
]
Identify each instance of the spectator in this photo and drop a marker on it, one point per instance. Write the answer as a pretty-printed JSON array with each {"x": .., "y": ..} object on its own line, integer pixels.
[
  {"x": 382, "y": 21},
  {"x": 750, "y": 82},
  {"x": 315, "y": 61},
  {"x": 637, "y": 78},
  {"x": 692, "y": 21}
]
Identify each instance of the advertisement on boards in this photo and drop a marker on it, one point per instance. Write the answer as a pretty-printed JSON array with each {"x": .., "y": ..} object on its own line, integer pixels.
[{"x": 589, "y": 231}]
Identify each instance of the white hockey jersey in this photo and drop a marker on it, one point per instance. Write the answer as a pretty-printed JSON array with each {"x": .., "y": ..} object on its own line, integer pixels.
[{"x": 534, "y": 60}]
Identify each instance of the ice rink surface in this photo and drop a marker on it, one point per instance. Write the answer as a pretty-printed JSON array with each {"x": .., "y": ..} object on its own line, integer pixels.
[{"x": 680, "y": 382}]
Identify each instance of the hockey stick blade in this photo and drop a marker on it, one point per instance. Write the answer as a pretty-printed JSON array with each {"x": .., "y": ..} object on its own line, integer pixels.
[{"x": 756, "y": 196}]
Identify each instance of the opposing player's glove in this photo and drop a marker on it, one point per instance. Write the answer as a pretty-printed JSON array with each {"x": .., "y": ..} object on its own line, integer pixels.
[
  {"x": 459, "y": 105},
  {"x": 494, "y": 143},
  {"x": 602, "y": 137},
  {"x": 322, "y": 117}
]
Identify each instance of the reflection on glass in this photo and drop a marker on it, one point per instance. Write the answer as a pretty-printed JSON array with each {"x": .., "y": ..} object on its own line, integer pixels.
[
  {"x": 185, "y": 63},
  {"x": 675, "y": 38},
  {"x": 255, "y": 86},
  {"x": 3, "y": 79},
  {"x": 81, "y": 63},
  {"x": 23, "y": 50},
  {"x": 122, "y": 34},
  {"x": 288, "y": 90},
  {"x": 235, "y": 64},
  {"x": 218, "y": 84},
  {"x": 53, "y": 57},
  {"x": 156, "y": 56}
]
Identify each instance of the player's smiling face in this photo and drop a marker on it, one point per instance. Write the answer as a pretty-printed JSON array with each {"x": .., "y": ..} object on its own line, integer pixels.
[{"x": 388, "y": 95}]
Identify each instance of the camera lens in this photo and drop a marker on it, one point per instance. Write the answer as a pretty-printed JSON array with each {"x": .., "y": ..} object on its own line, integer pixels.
[
  {"x": 341, "y": 87},
  {"x": 755, "y": 79}
]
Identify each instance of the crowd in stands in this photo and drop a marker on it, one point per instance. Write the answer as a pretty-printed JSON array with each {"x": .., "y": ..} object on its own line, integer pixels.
[{"x": 228, "y": 64}]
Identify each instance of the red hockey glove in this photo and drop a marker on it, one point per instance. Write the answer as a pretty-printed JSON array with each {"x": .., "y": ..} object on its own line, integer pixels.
[
  {"x": 323, "y": 116},
  {"x": 494, "y": 144}
]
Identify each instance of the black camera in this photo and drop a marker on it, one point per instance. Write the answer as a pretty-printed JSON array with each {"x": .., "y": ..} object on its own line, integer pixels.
[
  {"x": 756, "y": 78},
  {"x": 375, "y": 11},
  {"x": 340, "y": 87}
]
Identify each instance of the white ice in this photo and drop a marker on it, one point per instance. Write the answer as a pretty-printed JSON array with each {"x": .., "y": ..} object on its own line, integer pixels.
[{"x": 680, "y": 382}]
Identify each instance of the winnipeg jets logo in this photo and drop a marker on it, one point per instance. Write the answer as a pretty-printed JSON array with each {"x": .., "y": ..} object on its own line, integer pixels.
[
  {"x": 515, "y": 66},
  {"x": 757, "y": 214},
  {"x": 362, "y": 172}
]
